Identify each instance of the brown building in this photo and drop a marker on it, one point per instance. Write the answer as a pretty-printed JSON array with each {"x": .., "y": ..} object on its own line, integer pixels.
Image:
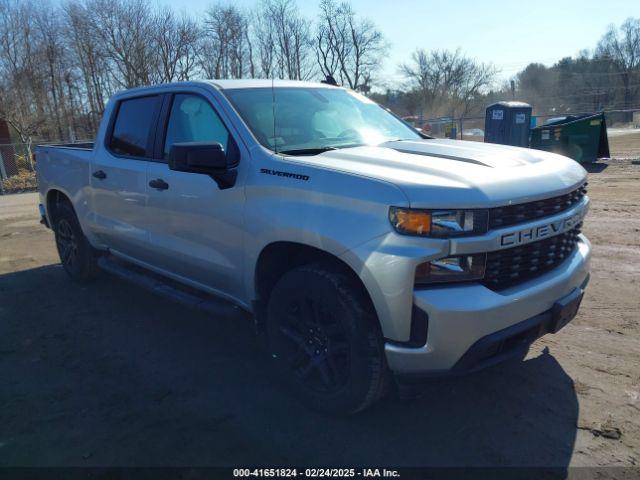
[
  {"x": 7, "y": 155},
  {"x": 5, "y": 137}
]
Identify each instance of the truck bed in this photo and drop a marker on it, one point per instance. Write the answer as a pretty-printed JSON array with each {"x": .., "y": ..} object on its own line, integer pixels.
[{"x": 64, "y": 167}]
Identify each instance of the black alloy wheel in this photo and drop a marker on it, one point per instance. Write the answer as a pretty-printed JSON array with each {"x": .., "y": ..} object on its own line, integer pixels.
[
  {"x": 78, "y": 257},
  {"x": 315, "y": 346},
  {"x": 325, "y": 339},
  {"x": 67, "y": 244}
]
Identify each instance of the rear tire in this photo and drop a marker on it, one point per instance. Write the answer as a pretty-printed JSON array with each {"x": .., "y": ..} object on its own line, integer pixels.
[
  {"x": 325, "y": 340},
  {"x": 78, "y": 257}
]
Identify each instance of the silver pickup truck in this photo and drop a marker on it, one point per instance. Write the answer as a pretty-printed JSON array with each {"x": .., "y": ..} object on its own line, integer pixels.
[{"x": 365, "y": 250}]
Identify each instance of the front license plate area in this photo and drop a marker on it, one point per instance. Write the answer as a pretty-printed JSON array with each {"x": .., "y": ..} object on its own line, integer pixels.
[{"x": 565, "y": 309}]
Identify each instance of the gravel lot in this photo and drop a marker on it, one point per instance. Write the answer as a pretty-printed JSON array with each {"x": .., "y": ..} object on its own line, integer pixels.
[{"x": 108, "y": 374}]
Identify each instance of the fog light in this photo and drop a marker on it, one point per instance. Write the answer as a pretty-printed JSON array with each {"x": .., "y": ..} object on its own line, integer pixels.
[{"x": 459, "y": 268}]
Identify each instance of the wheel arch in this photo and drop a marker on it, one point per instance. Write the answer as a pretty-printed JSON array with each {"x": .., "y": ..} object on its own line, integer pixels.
[
  {"x": 54, "y": 198},
  {"x": 279, "y": 257}
]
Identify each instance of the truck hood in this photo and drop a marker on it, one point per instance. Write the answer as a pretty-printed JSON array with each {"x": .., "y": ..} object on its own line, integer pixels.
[{"x": 452, "y": 173}]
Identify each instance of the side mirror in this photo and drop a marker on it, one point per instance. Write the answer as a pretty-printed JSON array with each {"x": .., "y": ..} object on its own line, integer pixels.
[{"x": 198, "y": 157}]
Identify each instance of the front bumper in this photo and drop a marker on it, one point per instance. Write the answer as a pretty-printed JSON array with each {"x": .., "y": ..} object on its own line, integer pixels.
[{"x": 462, "y": 315}]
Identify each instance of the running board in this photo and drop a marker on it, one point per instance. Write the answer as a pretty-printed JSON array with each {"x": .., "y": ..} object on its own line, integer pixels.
[{"x": 168, "y": 288}]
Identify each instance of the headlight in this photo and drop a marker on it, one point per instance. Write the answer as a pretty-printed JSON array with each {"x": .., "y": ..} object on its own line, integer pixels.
[
  {"x": 451, "y": 269},
  {"x": 438, "y": 223}
]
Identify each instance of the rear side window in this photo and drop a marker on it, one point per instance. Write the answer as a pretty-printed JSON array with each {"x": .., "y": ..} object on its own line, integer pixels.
[{"x": 133, "y": 125}]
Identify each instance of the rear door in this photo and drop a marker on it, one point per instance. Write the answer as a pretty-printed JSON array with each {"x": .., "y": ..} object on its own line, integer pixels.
[
  {"x": 119, "y": 176},
  {"x": 195, "y": 227}
]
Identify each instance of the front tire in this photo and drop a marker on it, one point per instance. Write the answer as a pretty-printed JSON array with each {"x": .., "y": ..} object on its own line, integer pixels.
[
  {"x": 77, "y": 256},
  {"x": 324, "y": 338}
]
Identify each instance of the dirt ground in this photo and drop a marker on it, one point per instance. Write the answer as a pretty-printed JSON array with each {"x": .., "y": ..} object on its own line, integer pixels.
[
  {"x": 624, "y": 142},
  {"x": 108, "y": 374}
]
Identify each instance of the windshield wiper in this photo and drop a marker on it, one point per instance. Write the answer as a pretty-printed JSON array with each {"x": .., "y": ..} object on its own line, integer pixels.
[
  {"x": 402, "y": 140},
  {"x": 307, "y": 151}
]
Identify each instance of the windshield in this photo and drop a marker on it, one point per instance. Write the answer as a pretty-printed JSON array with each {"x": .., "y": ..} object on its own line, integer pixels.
[{"x": 315, "y": 119}]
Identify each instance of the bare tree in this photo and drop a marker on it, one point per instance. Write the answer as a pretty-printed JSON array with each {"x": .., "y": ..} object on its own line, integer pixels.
[
  {"x": 262, "y": 31},
  {"x": 225, "y": 50},
  {"x": 423, "y": 76},
  {"x": 249, "y": 42},
  {"x": 447, "y": 81},
  {"x": 125, "y": 27},
  {"x": 347, "y": 45},
  {"x": 23, "y": 94},
  {"x": 622, "y": 47},
  {"x": 176, "y": 41},
  {"x": 289, "y": 54},
  {"x": 25, "y": 122},
  {"x": 473, "y": 79},
  {"x": 47, "y": 27},
  {"x": 331, "y": 41},
  {"x": 94, "y": 81}
]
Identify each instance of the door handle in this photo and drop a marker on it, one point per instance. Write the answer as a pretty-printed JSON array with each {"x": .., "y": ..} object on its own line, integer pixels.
[
  {"x": 99, "y": 174},
  {"x": 158, "y": 184}
]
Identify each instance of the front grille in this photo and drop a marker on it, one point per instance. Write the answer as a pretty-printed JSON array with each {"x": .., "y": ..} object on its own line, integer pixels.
[
  {"x": 514, "y": 265},
  {"x": 524, "y": 212}
]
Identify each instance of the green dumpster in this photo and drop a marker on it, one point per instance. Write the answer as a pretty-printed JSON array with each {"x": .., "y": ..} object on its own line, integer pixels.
[{"x": 583, "y": 138}]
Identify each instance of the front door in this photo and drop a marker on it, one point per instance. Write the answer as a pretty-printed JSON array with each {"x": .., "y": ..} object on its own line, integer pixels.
[{"x": 195, "y": 228}]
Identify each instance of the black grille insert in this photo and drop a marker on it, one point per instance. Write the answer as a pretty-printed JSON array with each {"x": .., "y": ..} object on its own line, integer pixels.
[
  {"x": 524, "y": 212},
  {"x": 514, "y": 265}
]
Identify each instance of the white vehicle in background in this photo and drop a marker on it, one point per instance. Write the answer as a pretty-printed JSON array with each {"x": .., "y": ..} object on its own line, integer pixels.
[
  {"x": 366, "y": 250},
  {"x": 473, "y": 132}
]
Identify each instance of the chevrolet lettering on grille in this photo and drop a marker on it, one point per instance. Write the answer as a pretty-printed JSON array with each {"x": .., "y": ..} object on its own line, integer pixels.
[{"x": 531, "y": 234}]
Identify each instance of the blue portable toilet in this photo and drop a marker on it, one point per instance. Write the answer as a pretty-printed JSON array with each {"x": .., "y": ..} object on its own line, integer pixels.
[{"x": 508, "y": 123}]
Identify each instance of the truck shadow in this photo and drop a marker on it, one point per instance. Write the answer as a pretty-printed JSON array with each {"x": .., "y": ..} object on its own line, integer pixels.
[
  {"x": 595, "y": 167},
  {"x": 108, "y": 374}
]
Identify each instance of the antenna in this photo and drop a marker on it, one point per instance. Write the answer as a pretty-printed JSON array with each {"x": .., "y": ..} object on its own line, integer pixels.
[{"x": 273, "y": 110}]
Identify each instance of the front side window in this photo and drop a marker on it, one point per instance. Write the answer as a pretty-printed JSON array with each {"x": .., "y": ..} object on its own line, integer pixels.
[
  {"x": 133, "y": 125},
  {"x": 193, "y": 119},
  {"x": 298, "y": 119}
]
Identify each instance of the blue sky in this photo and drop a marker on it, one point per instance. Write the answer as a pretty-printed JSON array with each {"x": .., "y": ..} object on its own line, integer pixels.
[{"x": 510, "y": 34}]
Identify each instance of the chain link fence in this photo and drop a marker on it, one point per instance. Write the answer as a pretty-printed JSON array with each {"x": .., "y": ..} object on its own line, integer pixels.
[
  {"x": 17, "y": 168},
  {"x": 623, "y": 135},
  {"x": 15, "y": 157}
]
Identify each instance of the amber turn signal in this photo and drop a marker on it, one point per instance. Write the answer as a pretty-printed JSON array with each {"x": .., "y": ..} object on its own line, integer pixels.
[{"x": 413, "y": 222}]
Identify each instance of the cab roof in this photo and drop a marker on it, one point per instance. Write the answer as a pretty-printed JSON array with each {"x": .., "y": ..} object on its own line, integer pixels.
[
  {"x": 264, "y": 83},
  {"x": 221, "y": 85}
]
